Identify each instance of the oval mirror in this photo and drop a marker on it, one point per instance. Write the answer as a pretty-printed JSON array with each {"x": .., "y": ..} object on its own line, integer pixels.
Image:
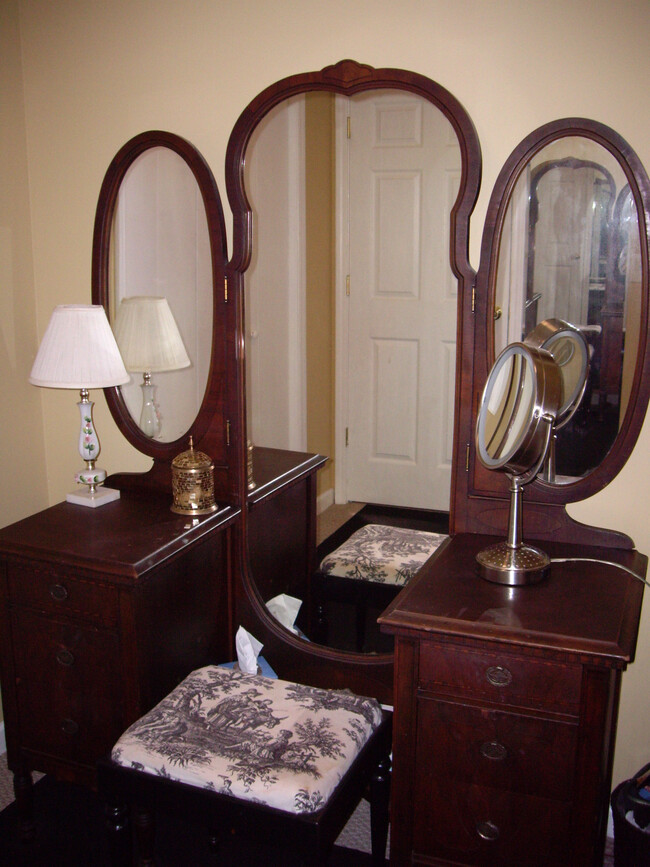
[
  {"x": 566, "y": 239},
  {"x": 287, "y": 166},
  {"x": 158, "y": 257}
]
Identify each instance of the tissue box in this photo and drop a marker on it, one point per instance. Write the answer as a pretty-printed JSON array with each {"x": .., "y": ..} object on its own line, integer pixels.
[{"x": 267, "y": 671}]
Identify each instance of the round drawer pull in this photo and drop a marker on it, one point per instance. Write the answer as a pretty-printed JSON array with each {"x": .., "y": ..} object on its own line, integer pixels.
[
  {"x": 493, "y": 750},
  {"x": 58, "y": 592},
  {"x": 69, "y": 727},
  {"x": 497, "y": 675},
  {"x": 64, "y": 657},
  {"x": 487, "y": 831}
]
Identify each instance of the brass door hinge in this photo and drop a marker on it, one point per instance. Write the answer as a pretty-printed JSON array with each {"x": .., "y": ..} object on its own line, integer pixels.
[
  {"x": 473, "y": 298},
  {"x": 225, "y": 289},
  {"x": 467, "y": 458},
  {"x": 349, "y": 127},
  {"x": 227, "y": 431}
]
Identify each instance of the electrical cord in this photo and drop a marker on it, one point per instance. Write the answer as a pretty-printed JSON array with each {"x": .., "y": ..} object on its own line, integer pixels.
[{"x": 602, "y": 562}]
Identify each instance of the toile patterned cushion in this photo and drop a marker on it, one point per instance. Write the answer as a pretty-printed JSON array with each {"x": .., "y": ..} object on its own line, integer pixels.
[
  {"x": 252, "y": 737},
  {"x": 385, "y": 555}
]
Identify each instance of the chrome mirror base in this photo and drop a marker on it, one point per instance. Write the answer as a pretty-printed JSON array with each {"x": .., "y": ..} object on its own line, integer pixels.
[{"x": 515, "y": 567}]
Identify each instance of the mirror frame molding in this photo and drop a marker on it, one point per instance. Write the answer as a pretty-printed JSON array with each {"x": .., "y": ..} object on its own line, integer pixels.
[
  {"x": 327, "y": 666},
  {"x": 208, "y": 429},
  {"x": 483, "y": 494}
]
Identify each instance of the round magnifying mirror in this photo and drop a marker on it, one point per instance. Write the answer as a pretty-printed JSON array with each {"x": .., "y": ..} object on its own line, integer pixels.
[
  {"x": 520, "y": 403},
  {"x": 524, "y": 387}
]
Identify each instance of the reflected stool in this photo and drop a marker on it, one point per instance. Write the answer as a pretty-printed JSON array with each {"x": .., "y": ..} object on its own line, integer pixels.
[
  {"x": 247, "y": 754},
  {"x": 368, "y": 571}
]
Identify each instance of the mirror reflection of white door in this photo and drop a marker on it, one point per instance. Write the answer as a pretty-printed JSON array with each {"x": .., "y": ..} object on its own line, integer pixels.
[
  {"x": 563, "y": 258},
  {"x": 275, "y": 282},
  {"x": 396, "y": 384}
]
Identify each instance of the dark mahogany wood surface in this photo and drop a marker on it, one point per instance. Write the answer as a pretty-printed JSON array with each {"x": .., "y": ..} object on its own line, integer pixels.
[
  {"x": 506, "y": 702},
  {"x": 277, "y": 553},
  {"x": 125, "y": 538},
  {"x": 102, "y": 612},
  {"x": 582, "y": 607},
  {"x": 275, "y": 469}
]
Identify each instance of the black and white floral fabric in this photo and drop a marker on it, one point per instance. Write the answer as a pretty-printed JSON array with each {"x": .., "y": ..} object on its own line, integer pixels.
[
  {"x": 252, "y": 737},
  {"x": 386, "y": 555}
]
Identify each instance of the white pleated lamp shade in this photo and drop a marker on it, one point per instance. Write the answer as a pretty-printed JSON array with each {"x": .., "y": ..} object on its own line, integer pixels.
[
  {"x": 148, "y": 336},
  {"x": 78, "y": 350}
]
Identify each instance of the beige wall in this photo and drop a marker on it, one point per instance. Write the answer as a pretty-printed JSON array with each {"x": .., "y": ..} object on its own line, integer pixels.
[{"x": 95, "y": 73}]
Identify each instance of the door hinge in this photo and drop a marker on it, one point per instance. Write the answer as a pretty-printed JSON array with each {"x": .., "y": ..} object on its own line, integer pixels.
[
  {"x": 347, "y": 284},
  {"x": 473, "y": 298},
  {"x": 347, "y": 436},
  {"x": 349, "y": 127},
  {"x": 467, "y": 457},
  {"x": 225, "y": 289},
  {"x": 227, "y": 431}
]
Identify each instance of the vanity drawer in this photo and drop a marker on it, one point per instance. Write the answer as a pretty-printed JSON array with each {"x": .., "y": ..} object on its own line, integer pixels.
[
  {"x": 477, "y": 825},
  {"x": 500, "y": 678},
  {"x": 67, "y": 687},
  {"x": 50, "y": 590},
  {"x": 526, "y": 754}
]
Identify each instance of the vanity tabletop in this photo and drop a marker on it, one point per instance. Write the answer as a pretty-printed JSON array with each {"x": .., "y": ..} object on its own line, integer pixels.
[
  {"x": 274, "y": 469},
  {"x": 127, "y": 537},
  {"x": 583, "y": 607}
]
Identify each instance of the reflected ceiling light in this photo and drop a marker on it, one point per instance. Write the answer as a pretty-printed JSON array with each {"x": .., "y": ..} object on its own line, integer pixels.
[
  {"x": 520, "y": 403},
  {"x": 150, "y": 342},
  {"x": 78, "y": 350}
]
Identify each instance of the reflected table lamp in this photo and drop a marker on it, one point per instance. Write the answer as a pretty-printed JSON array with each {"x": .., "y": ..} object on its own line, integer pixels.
[
  {"x": 78, "y": 350},
  {"x": 150, "y": 342}
]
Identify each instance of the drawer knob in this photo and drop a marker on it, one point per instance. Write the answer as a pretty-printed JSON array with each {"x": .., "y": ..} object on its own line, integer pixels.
[
  {"x": 493, "y": 750},
  {"x": 64, "y": 657},
  {"x": 58, "y": 592},
  {"x": 497, "y": 675},
  {"x": 487, "y": 831},
  {"x": 69, "y": 727}
]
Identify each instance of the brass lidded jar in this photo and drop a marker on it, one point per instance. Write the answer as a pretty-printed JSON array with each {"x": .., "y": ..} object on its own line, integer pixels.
[{"x": 193, "y": 483}]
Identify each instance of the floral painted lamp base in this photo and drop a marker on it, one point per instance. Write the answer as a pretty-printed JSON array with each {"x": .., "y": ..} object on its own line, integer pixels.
[{"x": 92, "y": 476}]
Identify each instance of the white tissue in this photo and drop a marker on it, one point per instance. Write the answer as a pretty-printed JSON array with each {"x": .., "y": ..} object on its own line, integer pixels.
[
  {"x": 285, "y": 609},
  {"x": 248, "y": 649}
]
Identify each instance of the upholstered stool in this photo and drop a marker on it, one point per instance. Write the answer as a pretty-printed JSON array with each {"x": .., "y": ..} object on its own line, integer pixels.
[
  {"x": 369, "y": 569},
  {"x": 256, "y": 755}
]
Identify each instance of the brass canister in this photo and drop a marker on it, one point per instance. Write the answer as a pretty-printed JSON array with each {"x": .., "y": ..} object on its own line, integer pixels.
[{"x": 193, "y": 483}]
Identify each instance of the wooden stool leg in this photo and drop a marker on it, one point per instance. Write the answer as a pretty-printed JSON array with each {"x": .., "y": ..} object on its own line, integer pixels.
[
  {"x": 379, "y": 811},
  {"x": 360, "y": 620},
  {"x": 144, "y": 823},
  {"x": 24, "y": 792},
  {"x": 119, "y": 837}
]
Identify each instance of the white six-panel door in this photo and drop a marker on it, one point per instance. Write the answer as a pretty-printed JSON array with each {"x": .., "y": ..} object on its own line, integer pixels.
[{"x": 395, "y": 400}]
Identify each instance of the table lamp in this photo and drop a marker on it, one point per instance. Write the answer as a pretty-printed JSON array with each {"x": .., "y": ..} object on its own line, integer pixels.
[
  {"x": 150, "y": 342},
  {"x": 78, "y": 350}
]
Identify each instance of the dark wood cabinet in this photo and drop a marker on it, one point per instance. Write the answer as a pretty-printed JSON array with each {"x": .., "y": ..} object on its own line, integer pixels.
[
  {"x": 282, "y": 522},
  {"x": 506, "y": 702},
  {"x": 102, "y": 613}
]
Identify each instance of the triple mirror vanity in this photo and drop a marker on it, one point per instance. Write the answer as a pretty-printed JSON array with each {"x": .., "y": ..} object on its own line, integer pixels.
[{"x": 349, "y": 321}]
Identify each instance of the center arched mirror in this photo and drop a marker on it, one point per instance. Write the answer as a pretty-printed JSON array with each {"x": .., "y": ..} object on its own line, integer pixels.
[{"x": 351, "y": 190}]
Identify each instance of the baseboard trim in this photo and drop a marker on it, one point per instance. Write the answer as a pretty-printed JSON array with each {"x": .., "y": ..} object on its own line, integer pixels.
[{"x": 3, "y": 741}]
